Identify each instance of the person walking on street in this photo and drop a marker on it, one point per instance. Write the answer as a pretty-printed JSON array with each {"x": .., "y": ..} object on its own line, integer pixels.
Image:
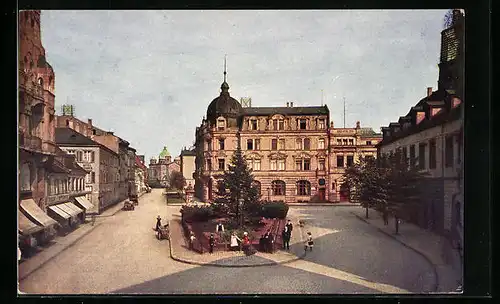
[
  {"x": 285, "y": 235},
  {"x": 290, "y": 227},
  {"x": 211, "y": 242},
  {"x": 158, "y": 223},
  {"x": 191, "y": 240},
  {"x": 309, "y": 242}
]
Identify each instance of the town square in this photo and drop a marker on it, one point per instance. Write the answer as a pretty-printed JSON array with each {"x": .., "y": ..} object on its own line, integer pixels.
[{"x": 240, "y": 152}]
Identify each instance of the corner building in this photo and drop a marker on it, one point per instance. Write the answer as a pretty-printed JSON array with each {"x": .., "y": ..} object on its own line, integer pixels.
[{"x": 287, "y": 148}]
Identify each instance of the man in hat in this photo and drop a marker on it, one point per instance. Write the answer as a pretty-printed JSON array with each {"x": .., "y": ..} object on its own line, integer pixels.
[
  {"x": 285, "y": 235},
  {"x": 289, "y": 225},
  {"x": 219, "y": 229},
  {"x": 211, "y": 242}
]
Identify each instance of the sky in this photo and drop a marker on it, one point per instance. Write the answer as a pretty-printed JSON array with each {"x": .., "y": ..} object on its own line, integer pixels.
[{"x": 149, "y": 76}]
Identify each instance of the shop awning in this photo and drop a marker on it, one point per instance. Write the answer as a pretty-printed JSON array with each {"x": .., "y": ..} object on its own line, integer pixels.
[
  {"x": 31, "y": 208},
  {"x": 60, "y": 212},
  {"x": 74, "y": 208},
  {"x": 26, "y": 226},
  {"x": 84, "y": 202},
  {"x": 66, "y": 208}
]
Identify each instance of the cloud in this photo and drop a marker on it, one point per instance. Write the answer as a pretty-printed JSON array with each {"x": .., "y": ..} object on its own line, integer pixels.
[{"x": 150, "y": 75}]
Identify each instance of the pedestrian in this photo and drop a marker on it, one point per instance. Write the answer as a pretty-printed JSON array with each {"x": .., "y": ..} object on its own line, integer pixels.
[
  {"x": 219, "y": 229},
  {"x": 211, "y": 242},
  {"x": 290, "y": 227},
  {"x": 285, "y": 235},
  {"x": 246, "y": 242},
  {"x": 386, "y": 218},
  {"x": 158, "y": 223},
  {"x": 191, "y": 240},
  {"x": 234, "y": 241},
  {"x": 309, "y": 242}
]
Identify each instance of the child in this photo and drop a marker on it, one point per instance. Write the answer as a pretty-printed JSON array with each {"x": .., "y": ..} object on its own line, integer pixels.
[
  {"x": 309, "y": 242},
  {"x": 191, "y": 240}
]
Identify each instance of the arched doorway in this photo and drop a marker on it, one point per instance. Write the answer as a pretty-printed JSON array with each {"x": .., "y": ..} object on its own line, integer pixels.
[{"x": 344, "y": 192}]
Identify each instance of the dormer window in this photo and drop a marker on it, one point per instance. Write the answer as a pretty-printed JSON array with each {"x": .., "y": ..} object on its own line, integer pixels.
[
  {"x": 253, "y": 124},
  {"x": 221, "y": 124},
  {"x": 321, "y": 124},
  {"x": 40, "y": 81},
  {"x": 302, "y": 124}
]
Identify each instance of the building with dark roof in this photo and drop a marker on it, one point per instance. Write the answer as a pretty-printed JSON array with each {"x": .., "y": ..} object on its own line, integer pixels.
[
  {"x": 431, "y": 136},
  {"x": 101, "y": 162}
]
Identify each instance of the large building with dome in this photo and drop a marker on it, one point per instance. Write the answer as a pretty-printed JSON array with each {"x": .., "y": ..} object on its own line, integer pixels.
[
  {"x": 287, "y": 148},
  {"x": 161, "y": 168}
]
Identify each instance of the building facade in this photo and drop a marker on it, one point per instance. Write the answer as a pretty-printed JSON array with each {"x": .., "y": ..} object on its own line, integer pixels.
[
  {"x": 141, "y": 175},
  {"x": 160, "y": 169},
  {"x": 431, "y": 135},
  {"x": 347, "y": 145},
  {"x": 187, "y": 166},
  {"x": 102, "y": 164}
]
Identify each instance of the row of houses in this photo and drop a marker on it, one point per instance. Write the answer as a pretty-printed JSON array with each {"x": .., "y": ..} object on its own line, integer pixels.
[
  {"x": 67, "y": 168},
  {"x": 431, "y": 135}
]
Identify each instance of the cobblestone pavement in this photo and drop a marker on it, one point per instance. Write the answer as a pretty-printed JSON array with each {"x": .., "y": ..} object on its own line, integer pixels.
[
  {"x": 430, "y": 245},
  {"x": 121, "y": 255}
]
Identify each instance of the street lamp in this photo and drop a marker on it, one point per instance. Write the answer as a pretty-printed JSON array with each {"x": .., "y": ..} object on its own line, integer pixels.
[
  {"x": 240, "y": 207},
  {"x": 268, "y": 194}
]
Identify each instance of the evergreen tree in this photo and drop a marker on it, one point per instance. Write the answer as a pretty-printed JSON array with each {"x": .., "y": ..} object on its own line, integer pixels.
[{"x": 237, "y": 183}]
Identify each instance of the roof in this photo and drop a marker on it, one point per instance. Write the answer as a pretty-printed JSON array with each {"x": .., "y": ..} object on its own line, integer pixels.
[
  {"x": 69, "y": 137},
  {"x": 188, "y": 153},
  {"x": 164, "y": 152},
  {"x": 260, "y": 111},
  {"x": 139, "y": 163},
  {"x": 368, "y": 132}
]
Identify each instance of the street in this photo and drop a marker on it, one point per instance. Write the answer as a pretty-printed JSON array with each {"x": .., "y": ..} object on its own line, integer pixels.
[{"x": 122, "y": 256}]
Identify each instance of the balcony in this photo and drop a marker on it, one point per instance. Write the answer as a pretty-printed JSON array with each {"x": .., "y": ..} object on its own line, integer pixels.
[{"x": 30, "y": 142}]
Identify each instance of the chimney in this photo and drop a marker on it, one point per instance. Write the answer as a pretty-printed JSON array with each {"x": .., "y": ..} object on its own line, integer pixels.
[
  {"x": 291, "y": 104},
  {"x": 429, "y": 91},
  {"x": 358, "y": 125},
  {"x": 331, "y": 124},
  {"x": 287, "y": 104},
  {"x": 90, "y": 122}
]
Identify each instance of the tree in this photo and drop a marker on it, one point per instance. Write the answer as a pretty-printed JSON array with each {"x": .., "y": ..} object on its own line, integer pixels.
[
  {"x": 237, "y": 183},
  {"x": 177, "y": 180},
  {"x": 363, "y": 181}
]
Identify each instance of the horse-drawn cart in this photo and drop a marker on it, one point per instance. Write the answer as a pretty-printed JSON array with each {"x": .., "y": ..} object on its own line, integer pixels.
[{"x": 163, "y": 233}]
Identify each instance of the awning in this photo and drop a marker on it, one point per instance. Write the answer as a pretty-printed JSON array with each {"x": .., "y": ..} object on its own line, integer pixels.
[
  {"x": 68, "y": 209},
  {"x": 84, "y": 202},
  {"x": 26, "y": 226},
  {"x": 60, "y": 212},
  {"x": 31, "y": 208},
  {"x": 74, "y": 208}
]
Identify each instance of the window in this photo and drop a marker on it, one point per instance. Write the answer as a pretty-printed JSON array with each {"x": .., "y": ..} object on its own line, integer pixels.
[
  {"x": 249, "y": 144},
  {"x": 209, "y": 145},
  {"x": 221, "y": 144},
  {"x": 302, "y": 124},
  {"x": 448, "y": 152},
  {"x": 307, "y": 164},
  {"x": 321, "y": 143},
  {"x": 221, "y": 124},
  {"x": 79, "y": 156},
  {"x": 298, "y": 165},
  {"x": 278, "y": 187},
  {"x": 307, "y": 144},
  {"x": 340, "y": 160},
  {"x": 344, "y": 141},
  {"x": 321, "y": 164},
  {"x": 281, "y": 144},
  {"x": 321, "y": 124},
  {"x": 257, "y": 144},
  {"x": 221, "y": 164},
  {"x": 303, "y": 188},
  {"x": 256, "y": 164},
  {"x": 253, "y": 124},
  {"x": 92, "y": 156},
  {"x": 351, "y": 142},
  {"x": 350, "y": 160},
  {"x": 92, "y": 177},
  {"x": 281, "y": 164},
  {"x": 274, "y": 144},
  {"x": 298, "y": 144},
  {"x": 432, "y": 154},
  {"x": 368, "y": 142},
  {"x": 421, "y": 156},
  {"x": 275, "y": 124},
  {"x": 221, "y": 187},
  {"x": 281, "y": 124},
  {"x": 273, "y": 164},
  {"x": 339, "y": 141},
  {"x": 412, "y": 155}
]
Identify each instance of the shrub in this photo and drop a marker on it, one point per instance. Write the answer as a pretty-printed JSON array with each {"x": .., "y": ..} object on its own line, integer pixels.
[
  {"x": 197, "y": 213},
  {"x": 219, "y": 209},
  {"x": 274, "y": 209}
]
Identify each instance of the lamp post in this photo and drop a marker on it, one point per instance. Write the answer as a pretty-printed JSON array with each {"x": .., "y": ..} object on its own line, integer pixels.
[
  {"x": 240, "y": 207},
  {"x": 268, "y": 194}
]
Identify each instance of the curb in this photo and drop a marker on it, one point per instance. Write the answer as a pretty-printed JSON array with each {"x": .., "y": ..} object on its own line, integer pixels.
[
  {"x": 175, "y": 258},
  {"x": 434, "y": 267},
  {"x": 328, "y": 205},
  {"x": 55, "y": 255}
]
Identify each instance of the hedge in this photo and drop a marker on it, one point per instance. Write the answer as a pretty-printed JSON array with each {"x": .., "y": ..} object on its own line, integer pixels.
[
  {"x": 197, "y": 213},
  {"x": 274, "y": 209}
]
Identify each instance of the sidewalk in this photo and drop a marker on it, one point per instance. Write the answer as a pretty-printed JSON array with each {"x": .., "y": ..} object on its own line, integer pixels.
[
  {"x": 179, "y": 252},
  {"x": 61, "y": 243},
  {"x": 425, "y": 243},
  {"x": 343, "y": 204}
]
